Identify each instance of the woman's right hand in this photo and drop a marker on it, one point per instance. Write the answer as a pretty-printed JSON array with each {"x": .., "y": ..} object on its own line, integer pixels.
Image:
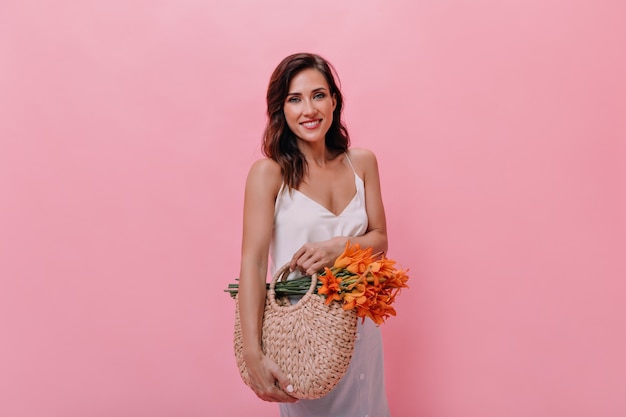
[{"x": 268, "y": 381}]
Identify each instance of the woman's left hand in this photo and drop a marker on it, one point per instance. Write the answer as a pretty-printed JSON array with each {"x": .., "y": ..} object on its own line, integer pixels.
[{"x": 313, "y": 257}]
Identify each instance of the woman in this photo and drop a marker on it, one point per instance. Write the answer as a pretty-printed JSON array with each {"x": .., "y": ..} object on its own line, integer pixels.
[{"x": 302, "y": 204}]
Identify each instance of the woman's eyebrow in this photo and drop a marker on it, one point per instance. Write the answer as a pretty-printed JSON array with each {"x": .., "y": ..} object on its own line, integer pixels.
[{"x": 297, "y": 93}]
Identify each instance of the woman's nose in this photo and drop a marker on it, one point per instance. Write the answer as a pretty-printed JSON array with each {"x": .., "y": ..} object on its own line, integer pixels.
[{"x": 309, "y": 108}]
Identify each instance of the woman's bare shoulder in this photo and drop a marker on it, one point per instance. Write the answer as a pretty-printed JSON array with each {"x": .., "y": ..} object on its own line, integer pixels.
[
  {"x": 265, "y": 166},
  {"x": 363, "y": 158},
  {"x": 265, "y": 173}
]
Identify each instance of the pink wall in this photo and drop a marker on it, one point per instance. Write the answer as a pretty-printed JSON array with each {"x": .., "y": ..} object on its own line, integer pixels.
[{"x": 126, "y": 132}]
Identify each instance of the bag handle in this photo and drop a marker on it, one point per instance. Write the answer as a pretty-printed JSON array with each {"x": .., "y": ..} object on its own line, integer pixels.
[{"x": 281, "y": 275}]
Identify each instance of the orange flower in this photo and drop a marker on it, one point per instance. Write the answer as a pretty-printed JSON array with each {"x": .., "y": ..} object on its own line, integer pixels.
[
  {"x": 354, "y": 297},
  {"x": 397, "y": 280},
  {"x": 378, "y": 308},
  {"x": 354, "y": 259},
  {"x": 364, "y": 282},
  {"x": 330, "y": 286},
  {"x": 361, "y": 263},
  {"x": 383, "y": 268}
]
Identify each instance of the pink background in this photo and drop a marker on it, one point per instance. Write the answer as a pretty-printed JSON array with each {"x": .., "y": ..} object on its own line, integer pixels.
[{"x": 126, "y": 131}]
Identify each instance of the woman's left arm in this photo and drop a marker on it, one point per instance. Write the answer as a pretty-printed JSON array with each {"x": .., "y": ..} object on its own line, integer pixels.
[
  {"x": 312, "y": 257},
  {"x": 376, "y": 235}
]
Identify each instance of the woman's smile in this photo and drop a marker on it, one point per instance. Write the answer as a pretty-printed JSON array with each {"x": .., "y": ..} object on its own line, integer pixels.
[{"x": 312, "y": 124}]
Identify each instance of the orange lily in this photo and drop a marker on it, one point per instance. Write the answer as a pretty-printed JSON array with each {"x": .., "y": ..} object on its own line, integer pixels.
[
  {"x": 364, "y": 282},
  {"x": 330, "y": 286}
]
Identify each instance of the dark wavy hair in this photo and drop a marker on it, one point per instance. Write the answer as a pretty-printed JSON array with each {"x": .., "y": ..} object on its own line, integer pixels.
[{"x": 279, "y": 142}]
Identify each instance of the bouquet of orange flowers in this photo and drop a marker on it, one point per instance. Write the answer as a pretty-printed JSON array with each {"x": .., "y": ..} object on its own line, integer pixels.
[{"x": 359, "y": 279}]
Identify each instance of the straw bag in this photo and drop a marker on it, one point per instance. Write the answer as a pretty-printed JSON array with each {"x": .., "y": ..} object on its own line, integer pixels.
[{"x": 311, "y": 342}]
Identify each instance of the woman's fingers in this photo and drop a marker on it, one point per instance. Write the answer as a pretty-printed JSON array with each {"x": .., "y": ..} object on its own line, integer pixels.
[
  {"x": 275, "y": 394},
  {"x": 311, "y": 266},
  {"x": 269, "y": 383},
  {"x": 304, "y": 256},
  {"x": 296, "y": 258},
  {"x": 317, "y": 260},
  {"x": 281, "y": 379},
  {"x": 312, "y": 257}
]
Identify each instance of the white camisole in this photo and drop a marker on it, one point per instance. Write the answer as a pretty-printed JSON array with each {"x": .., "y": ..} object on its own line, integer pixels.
[{"x": 298, "y": 220}]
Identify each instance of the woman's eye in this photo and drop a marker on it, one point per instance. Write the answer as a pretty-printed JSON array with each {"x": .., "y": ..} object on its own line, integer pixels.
[
  {"x": 319, "y": 96},
  {"x": 293, "y": 100}
]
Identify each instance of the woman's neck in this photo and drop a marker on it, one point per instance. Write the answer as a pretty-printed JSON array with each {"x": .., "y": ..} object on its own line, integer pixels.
[{"x": 316, "y": 154}]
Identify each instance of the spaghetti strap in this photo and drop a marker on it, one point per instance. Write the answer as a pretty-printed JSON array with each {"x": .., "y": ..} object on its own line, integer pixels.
[
  {"x": 350, "y": 162},
  {"x": 279, "y": 197}
]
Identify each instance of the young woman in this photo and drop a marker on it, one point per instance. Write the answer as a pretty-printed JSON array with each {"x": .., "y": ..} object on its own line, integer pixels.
[{"x": 302, "y": 204}]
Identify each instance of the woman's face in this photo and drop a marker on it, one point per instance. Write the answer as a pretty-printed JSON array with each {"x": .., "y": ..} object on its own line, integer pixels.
[{"x": 309, "y": 106}]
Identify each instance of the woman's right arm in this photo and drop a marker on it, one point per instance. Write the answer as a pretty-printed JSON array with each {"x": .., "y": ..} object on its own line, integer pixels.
[{"x": 262, "y": 186}]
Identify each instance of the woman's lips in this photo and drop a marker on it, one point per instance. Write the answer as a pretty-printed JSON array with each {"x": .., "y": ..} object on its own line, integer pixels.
[{"x": 311, "y": 124}]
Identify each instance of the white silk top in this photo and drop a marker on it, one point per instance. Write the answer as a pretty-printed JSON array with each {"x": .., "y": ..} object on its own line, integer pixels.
[{"x": 298, "y": 220}]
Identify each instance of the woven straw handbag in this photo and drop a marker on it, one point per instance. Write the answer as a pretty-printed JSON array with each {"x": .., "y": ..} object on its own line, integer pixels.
[{"x": 311, "y": 342}]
